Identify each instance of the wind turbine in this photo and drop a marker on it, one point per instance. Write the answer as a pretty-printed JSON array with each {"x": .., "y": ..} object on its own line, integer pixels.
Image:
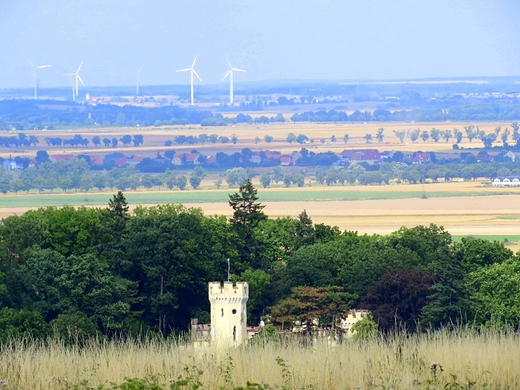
[
  {"x": 35, "y": 76},
  {"x": 192, "y": 72},
  {"x": 76, "y": 78},
  {"x": 137, "y": 80},
  {"x": 230, "y": 72}
]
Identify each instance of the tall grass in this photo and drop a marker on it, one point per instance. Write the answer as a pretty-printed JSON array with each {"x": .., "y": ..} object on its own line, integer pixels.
[{"x": 439, "y": 360}]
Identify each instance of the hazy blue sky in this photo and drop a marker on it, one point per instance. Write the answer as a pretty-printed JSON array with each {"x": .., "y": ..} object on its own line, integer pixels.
[{"x": 271, "y": 39}]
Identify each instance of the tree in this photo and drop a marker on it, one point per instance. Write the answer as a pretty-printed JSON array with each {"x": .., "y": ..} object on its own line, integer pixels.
[
  {"x": 195, "y": 181},
  {"x": 425, "y": 135},
  {"x": 114, "y": 142},
  {"x": 495, "y": 297},
  {"x": 379, "y": 135},
  {"x": 414, "y": 135},
  {"x": 304, "y": 233},
  {"x": 247, "y": 212},
  {"x": 302, "y": 138},
  {"x": 96, "y": 140},
  {"x": 400, "y": 135},
  {"x": 42, "y": 156},
  {"x": 368, "y": 138},
  {"x": 397, "y": 299},
  {"x": 268, "y": 139},
  {"x": 265, "y": 179},
  {"x": 504, "y": 137},
  {"x": 435, "y": 134},
  {"x": 181, "y": 182},
  {"x": 138, "y": 140},
  {"x": 126, "y": 140},
  {"x": 106, "y": 142},
  {"x": 346, "y": 137},
  {"x": 291, "y": 138},
  {"x": 446, "y": 134},
  {"x": 307, "y": 304},
  {"x": 213, "y": 138},
  {"x": 458, "y": 135},
  {"x": 470, "y": 133}
]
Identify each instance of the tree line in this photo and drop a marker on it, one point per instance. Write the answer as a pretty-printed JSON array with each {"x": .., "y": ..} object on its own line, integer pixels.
[
  {"x": 76, "y": 175},
  {"x": 81, "y": 272},
  {"x": 50, "y": 114}
]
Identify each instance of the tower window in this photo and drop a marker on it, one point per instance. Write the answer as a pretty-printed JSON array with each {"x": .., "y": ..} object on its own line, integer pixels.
[
  {"x": 234, "y": 312},
  {"x": 222, "y": 312},
  {"x": 234, "y": 333}
]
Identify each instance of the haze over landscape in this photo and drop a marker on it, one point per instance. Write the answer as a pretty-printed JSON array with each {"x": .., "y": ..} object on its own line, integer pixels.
[{"x": 272, "y": 40}]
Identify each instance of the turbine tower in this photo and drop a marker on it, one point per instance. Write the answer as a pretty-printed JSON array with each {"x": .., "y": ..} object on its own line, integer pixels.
[
  {"x": 35, "y": 77},
  {"x": 192, "y": 72},
  {"x": 137, "y": 80},
  {"x": 230, "y": 72},
  {"x": 76, "y": 78}
]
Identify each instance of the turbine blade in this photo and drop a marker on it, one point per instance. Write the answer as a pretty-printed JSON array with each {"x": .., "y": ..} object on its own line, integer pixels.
[
  {"x": 43, "y": 66},
  {"x": 79, "y": 78},
  {"x": 183, "y": 70},
  {"x": 225, "y": 75},
  {"x": 195, "y": 73},
  {"x": 79, "y": 68},
  {"x": 31, "y": 64},
  {"x": 237, "y": 70},
  {"x": 194, "y": 60}
]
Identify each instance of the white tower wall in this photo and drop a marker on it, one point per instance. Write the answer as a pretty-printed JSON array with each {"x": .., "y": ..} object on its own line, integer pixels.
[{"x": 228, "y": 312}]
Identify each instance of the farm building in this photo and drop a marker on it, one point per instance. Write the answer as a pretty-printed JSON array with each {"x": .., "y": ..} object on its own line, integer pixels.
[{"x": 506, "y": 181}]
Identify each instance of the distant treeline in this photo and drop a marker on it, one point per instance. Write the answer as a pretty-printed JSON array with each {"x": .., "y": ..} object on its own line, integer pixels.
[
  {"x": 50, "y": 114},
  {"x": 77, "y": 175}
]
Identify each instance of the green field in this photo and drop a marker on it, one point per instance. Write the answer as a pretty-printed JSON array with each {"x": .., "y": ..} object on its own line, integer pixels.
[
  {"x": 265, "y": 195},
  {"x": 506, "y": 239}
]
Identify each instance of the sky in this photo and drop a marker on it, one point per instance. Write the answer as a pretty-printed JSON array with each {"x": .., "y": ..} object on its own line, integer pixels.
[{"x": 330, "y": 40}]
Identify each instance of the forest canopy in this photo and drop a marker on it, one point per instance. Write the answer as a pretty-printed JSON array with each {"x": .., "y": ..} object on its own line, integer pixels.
[{"x": 107, "y": 271}]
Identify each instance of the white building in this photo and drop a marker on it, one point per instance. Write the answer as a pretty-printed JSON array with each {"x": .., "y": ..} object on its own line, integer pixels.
[{"x": 228, "y": 312}]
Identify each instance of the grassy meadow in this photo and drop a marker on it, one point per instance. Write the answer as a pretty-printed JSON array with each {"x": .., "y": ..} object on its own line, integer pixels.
[{"x": 441, "y": 360}]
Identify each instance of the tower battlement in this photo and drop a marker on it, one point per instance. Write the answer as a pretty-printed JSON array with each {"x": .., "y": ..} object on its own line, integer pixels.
[{"x": 228, "y": 290}]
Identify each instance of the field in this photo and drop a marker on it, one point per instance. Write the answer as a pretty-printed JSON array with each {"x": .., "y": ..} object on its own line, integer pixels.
[
  {"x": 155, "y": 137},
  {"x": 463, "y": 208},
  {"x": 443, "y": 360}
]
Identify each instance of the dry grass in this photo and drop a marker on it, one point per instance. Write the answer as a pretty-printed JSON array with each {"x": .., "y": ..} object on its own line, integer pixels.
[{"x": 429, "y": 361}]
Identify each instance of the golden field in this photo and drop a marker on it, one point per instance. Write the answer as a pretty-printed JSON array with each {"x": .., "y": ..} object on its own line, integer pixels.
[
  {"x": 442, "y": 360},
  {"x": 154, "y": 137}
]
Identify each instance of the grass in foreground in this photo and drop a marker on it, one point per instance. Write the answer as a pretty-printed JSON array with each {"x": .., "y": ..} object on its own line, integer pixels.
[{"x": 439, "y": 360}]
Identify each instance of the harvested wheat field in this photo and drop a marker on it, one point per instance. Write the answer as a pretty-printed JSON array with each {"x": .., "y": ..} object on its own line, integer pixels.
[{"x": 469, "y": 215}]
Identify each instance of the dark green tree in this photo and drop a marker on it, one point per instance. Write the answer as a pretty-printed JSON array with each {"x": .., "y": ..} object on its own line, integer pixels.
[{"x": 247, "y": 214}]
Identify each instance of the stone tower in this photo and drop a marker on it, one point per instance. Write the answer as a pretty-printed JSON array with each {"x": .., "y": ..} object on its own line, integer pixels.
[{"x": 228, "y": 312}]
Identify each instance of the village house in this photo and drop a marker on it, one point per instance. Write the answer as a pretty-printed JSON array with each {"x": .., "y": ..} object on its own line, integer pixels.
[
  {"x": 367, "y": 156},
  {"x": 285, "y": 160}
]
